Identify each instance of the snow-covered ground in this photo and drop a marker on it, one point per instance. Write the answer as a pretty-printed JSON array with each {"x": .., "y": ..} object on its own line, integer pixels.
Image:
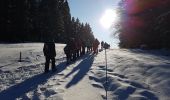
[{"x": 132, "y": 75}]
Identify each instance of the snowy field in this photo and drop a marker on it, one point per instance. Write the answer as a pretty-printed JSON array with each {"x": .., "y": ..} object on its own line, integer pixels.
[{"x": 132, "y": 75}]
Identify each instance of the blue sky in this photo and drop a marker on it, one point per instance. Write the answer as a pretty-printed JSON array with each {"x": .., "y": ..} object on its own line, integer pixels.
[{"x": 91, "y": 11}]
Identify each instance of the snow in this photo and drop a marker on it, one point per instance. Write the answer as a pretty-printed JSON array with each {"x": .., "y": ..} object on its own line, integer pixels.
[{"x": 133, "y": 74}]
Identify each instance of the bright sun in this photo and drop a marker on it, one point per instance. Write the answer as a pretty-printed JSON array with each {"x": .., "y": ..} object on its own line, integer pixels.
[{"x": 108, "y": 18}]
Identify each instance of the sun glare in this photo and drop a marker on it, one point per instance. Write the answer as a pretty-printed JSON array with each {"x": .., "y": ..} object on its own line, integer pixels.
[{"x": 109, "y": 18}]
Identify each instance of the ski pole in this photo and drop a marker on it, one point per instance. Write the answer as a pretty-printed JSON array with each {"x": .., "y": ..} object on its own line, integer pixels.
[
  {"x": 106, "y": 71},
  {"x": 20, "y": 56}
]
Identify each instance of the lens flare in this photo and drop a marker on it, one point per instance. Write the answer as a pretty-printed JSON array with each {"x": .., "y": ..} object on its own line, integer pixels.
[
  {"x": 108, "y": 18},
  {"x": 137, "y": 6}
]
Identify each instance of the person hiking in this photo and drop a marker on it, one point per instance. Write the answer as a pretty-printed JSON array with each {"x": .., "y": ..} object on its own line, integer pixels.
[
  {"x": 79, "y": 45},
  {"x": 88, "y": 45},
  {"x": 95, "y": 46},
  {"x": 83, "y": 48},
  {"x": 49, "y": 53},
  {"x": 102, "y": 45},
  {"x": 73, "y": 49},
  {"x": 69, "y": 50}
]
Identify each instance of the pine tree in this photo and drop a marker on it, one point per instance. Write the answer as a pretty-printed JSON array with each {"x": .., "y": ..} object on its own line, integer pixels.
[
  {"x": 13, "y": 20},
  {"x": 64, "y": 7},
  {"x": 147, "y": 25},
  {"x": 49, "y": 18},
  {"x": 77, "y": 28},
  {"x": 40, "y": 20}
]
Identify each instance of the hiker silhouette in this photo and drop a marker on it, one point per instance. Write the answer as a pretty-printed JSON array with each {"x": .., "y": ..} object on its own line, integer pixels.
[{"x": 49, "y": 53}]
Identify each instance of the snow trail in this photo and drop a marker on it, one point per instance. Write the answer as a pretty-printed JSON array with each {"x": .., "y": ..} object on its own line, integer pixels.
[
  {"x": 132, "y": 75},
  {"x": 82, "y": 91},
  {"x": 79, "y": 88}
]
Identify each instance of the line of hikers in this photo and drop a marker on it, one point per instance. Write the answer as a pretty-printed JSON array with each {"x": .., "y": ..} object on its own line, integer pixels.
[
  {"x": 73, "y": 49},
  {"x": 76, "y": 48},
  {"x": 105, "y": 45}
]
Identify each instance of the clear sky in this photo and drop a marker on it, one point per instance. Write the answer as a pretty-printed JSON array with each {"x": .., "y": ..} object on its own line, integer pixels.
[{"x": 91, "y": 11}]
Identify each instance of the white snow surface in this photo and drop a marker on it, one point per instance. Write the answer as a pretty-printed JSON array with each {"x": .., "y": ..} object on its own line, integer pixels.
[{"x": 133, "y": 74}]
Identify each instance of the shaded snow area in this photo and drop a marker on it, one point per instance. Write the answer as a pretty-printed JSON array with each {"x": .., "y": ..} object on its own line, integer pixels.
[{"x": 132, "y": 75}]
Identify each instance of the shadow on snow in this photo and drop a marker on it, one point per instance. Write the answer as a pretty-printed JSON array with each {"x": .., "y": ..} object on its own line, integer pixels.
[
  {"x": 82, "y": 69},
  {"x": 30, "y": 84}
]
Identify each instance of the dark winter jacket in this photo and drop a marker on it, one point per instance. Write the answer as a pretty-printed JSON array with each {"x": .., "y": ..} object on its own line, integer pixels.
[
  {"x": 67, "y": 49},
  {"x": 96, "y": 43},
  {"x": 49, "y": 49}
]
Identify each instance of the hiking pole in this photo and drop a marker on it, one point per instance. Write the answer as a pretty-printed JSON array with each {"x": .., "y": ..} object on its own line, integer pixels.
[
  {"x": 106, "y": 72},
  {"x": 20, "y": 56}
]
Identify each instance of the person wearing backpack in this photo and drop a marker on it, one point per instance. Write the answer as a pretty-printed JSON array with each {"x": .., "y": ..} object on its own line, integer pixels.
[{"x": 50, "y": 54}]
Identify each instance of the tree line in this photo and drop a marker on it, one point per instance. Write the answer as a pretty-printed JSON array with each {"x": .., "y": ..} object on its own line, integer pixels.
[
  {"x": 40, "y": 21},
  {"x": 144, "y": 23}
]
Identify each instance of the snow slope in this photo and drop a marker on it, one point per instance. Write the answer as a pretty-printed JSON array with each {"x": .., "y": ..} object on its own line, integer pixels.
[{"x": 132, "y": 75}]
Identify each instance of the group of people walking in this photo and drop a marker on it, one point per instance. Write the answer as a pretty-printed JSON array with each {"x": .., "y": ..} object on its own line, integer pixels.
[
  {"x": 105, "y": 45},
  {"x": 74, "y": 48}
]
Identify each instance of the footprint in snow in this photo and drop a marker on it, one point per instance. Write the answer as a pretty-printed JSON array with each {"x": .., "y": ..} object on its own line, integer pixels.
[
  {"x": 118, "y": 75},
  {"x": 97, "y": 85},
  {"x": 49, "y": 92},
  {"x": 123, "y": 92},
  {"x": 122, "y": 88},
  {"x": 60, "y": 90},
  {"x": 43, "y": 88}
]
